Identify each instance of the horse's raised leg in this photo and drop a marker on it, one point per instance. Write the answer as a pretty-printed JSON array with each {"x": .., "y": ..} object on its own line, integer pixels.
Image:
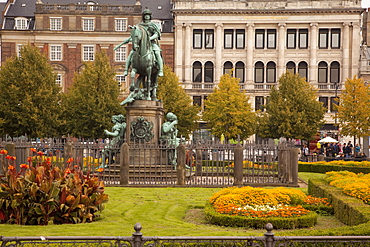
[{"x": 133, "y": 83}]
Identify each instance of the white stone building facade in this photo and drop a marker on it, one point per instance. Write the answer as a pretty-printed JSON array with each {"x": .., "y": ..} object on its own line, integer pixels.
[{"x": 260, "y": 40}]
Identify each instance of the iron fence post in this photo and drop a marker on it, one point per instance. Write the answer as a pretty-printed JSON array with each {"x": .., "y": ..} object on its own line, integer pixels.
[
  {"x": 137, "y": 235},
  {"x": 269, "y": 235},
  {"x": 124, "y": 164},
  {"x": 238, "y": 165},
  {"x": 181, "y": 160}
]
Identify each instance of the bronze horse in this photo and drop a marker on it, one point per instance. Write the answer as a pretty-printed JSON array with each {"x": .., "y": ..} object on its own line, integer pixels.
[{"x": 143, "y": 63}]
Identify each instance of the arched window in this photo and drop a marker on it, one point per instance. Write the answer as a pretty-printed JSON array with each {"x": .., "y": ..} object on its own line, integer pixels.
[
  {"x": 239, "y": 71},
  {"x": 271, "y": 72},
  {"x": 334, "y": 72},
  {"x": 303, "y": 70},
  {"x": 290, "y": 66},
  {"x": 197, "y": 72},
  {"x": 208, "y": 72},
  {"x": 227, "y": 67},
  {"x": 258, "y": 72},
  {"x": 323, "y": 72}
]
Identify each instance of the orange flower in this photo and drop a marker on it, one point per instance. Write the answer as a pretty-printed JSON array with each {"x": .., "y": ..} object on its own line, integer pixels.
[
  {"x": 40, "y": 153},
  {"x": 100, "y": 170},
  {"x": 3, "y": 151},
  {"x": 10, "y": 167},
  {"x": 24, "y": 166},
  {"x": 33, "y": 150},
  {"x": 70, "y": 160},
  {"x": 13, "y": 158},
  {"x": 68, "y": 171},
  {"x": 29, "y": 159},
  {"x": 8, "y": 157}
]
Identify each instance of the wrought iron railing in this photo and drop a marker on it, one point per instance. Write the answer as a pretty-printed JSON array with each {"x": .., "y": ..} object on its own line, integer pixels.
[{"x": 138, "y": 240}]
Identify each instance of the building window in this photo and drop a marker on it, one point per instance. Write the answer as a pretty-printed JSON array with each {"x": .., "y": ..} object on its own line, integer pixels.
[
  {"x": 291, "y": 38},
  {"x": 290, "y": 66},
  {"x": 58, "y": 80},
  {"x": 335, "y": 38},
  {"x": 197, "y": 38},
  {"x": 197, "y": 72},
  {"x": 19, "y": 48},
  {"x": 197, "y": 100},
  {"x": 121, "y": 54},
  {"x": 271, "y": 72},
  {"x": 209, "y": 37},
  {"x": 324, "y": 101},
  {"x": 88, "y": 53},
  {"x": 120, "y": 81},
  {"x": 55, "y": 53},
  {"x": 323, "y": 38},
  {"x": 260, "y": 38},
  {"x": 303, "y": 38},
  {"x": 258, "y": 72},
  {"x": 239, "y": 71},
  {"x": 228, "y": 38},
  {"x": 323, "y": 72},
  {"x": 240, "y": 39},
  {"x": 208, "y": 72},
  {"x": 88, "y": 24},
  {"x": 21, "y": 23},
  {"x": 121, "y": 24},
  {"x": 334, "y": 72},
  {"x": 303, "y": 70},
  {"x": 55, "y": 23},
  {"x": 228, "y": 66},
  {"x": 259, "y": 102},
  {"x": 271, "y": 39}
]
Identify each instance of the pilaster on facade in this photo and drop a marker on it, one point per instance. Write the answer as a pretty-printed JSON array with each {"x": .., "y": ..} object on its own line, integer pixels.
[
  {"x": 187, "y": 55},
  {"x": 250, "y": 57},
  {"x": 313, "y": 51},
  {"x": 281, "y": 48},
  {"x": 356, "y": 52},
  {"x": 346, "y": 52},
  {"x": 218, "y": 53},
  {"x": 179, "y": 52}
]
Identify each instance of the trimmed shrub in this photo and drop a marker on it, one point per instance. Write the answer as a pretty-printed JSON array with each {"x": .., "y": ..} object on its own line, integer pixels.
[{"x": 322, "y": 167}]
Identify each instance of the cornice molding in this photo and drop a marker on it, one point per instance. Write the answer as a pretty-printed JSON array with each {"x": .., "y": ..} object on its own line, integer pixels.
[{"x": 274, "y": 12}]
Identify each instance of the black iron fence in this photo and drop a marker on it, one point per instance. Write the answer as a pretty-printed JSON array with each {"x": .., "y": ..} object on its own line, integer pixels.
[
  {"x": 197, "y": 164},
  {"x": 138, "y": 240}
]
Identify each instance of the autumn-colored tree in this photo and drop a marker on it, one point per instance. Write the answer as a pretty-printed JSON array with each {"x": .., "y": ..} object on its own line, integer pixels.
[
  {"x": 228, "y": 110},
  {"x": 293, "y": 110},
  {"x": 29, "y": 95},
  {"x": 354, "y": 109},
  {"x": 175, "y": 100},
  {"x": 92, "y": 99}
]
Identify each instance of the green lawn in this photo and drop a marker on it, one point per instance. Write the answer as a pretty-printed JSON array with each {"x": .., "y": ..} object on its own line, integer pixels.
[{"x": 160, "y": 211}]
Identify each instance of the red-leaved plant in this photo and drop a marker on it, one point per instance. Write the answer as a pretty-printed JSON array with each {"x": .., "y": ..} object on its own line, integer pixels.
[{"x": 41, "y": 193}]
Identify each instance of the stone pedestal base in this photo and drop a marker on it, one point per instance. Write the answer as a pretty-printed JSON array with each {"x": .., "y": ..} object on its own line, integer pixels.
[{"x": 144, "y": 120}]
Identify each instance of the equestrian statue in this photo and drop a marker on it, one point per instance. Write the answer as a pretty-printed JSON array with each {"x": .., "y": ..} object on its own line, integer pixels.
[{"x": 145, "y": 59}]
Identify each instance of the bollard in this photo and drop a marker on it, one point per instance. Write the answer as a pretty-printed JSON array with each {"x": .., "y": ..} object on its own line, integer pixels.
[{"x": 124, "y": 164}]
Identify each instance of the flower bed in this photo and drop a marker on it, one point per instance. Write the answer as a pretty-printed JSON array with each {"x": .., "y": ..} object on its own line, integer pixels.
[
  {"x": 355, "y": 185},
  {"x": 41, "y": 192},
  {"x": 254, "y": 207}
]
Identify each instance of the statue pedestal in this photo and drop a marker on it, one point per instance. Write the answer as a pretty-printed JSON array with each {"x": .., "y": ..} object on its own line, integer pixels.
[{"x": 144, "y": 119}]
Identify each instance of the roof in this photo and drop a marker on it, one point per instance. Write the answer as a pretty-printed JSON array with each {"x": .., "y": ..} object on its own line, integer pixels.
[{"x": 161, "y": 9}]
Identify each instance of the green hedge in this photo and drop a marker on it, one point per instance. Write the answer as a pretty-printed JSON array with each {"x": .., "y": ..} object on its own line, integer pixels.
[
  {"x": 215, "y": 218},
  {"x": 316, "y": 168},
  {"x": 349, "y": 210}
]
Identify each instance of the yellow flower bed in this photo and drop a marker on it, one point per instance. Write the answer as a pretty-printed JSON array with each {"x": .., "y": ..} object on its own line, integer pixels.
[
  {"x": 340, "y": 163},
  {"x": 352, "y": 184},
  {"x": 259, "y": 202}
]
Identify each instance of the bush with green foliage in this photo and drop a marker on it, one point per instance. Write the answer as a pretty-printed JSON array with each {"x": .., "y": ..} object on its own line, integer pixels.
[
  {"x": 43, "y": 193},
  {"x": 324, "y": 167}
]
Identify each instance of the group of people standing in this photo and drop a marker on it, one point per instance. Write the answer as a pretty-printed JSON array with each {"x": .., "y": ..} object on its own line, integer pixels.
[{"x": 347, "y": 150}]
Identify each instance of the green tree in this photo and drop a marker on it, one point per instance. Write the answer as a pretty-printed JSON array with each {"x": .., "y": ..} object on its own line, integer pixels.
[
  {"x": 293, "y": 110},
  {"x": 92, "y": 100},
  {"x": 228, "y": 110},
  {"x": 176, "y": 100},
  {"x": 354, "y": 109},
  {"x": 29, "y": 96}
]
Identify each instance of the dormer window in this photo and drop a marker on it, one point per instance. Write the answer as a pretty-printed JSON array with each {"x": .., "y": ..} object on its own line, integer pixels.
[{"x": 21, "y": 23}]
